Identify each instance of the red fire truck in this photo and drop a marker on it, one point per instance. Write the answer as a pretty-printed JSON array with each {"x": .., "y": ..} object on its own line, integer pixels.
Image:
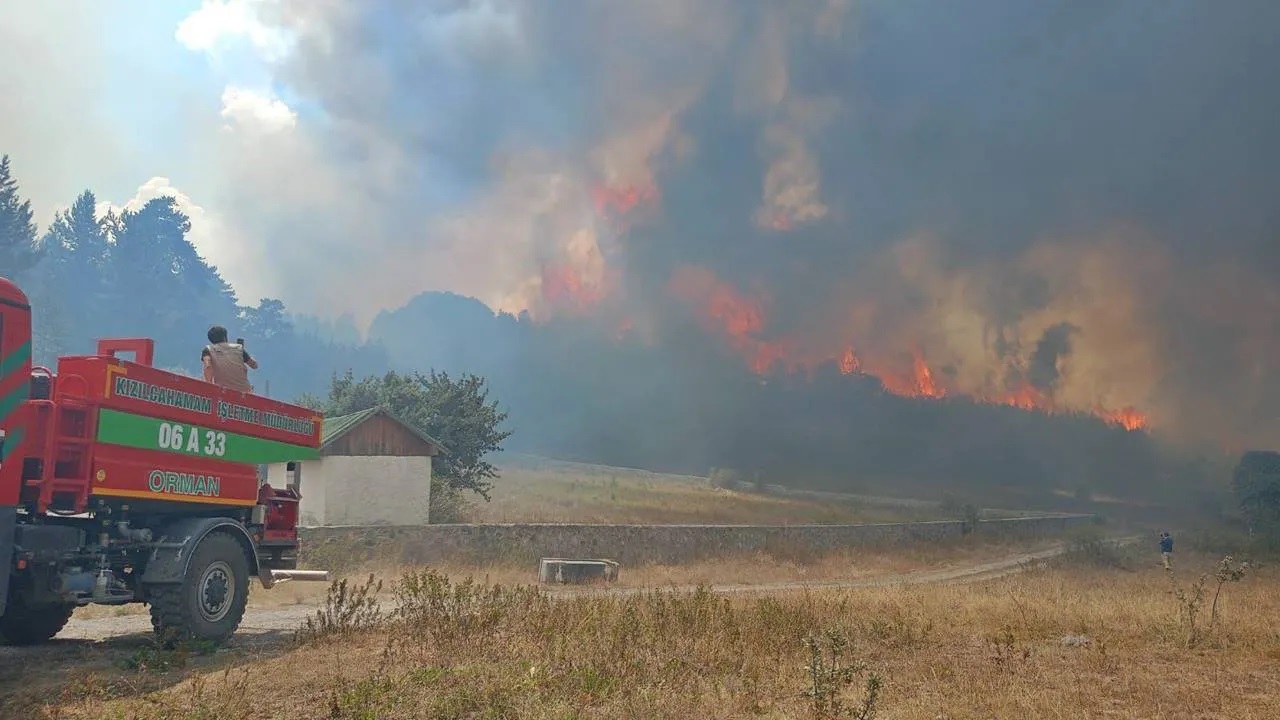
[{"x": 122, "y": 483}]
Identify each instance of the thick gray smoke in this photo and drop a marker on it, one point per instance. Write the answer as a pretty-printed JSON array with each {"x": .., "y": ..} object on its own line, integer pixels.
[
  {"x": 902, "y": 179},
  {"x": 1054, "y": 345}
]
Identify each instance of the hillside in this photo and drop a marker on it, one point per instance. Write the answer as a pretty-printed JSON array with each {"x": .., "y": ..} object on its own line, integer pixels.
[{"x": 536, "y": 489}]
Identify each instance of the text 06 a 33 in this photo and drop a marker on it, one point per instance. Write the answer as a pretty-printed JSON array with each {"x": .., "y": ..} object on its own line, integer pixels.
[{"x": 192, "y": 440}]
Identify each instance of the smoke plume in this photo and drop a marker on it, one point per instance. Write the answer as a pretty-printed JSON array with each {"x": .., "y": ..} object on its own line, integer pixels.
[{"x": 1064, "y": 205}]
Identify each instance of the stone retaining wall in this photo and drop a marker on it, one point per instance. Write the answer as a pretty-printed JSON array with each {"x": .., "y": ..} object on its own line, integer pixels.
[{"x": 639, "y": 544}]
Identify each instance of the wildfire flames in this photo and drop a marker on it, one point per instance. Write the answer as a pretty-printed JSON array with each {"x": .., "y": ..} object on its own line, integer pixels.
[
  {"x": 565, "y": 288},
  {"x": 620, "y": 202},
  {"x": 741, "y": 321}
]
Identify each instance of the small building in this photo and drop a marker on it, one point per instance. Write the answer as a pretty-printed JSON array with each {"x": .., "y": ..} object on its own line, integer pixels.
[{"x": 373, "y": 469}]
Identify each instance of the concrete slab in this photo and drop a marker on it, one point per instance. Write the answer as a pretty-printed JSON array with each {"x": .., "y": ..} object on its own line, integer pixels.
[{"x": 576, "y": 572}]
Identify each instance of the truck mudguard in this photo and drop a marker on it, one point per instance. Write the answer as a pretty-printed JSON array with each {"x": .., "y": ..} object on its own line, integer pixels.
[{"x": 171, "y": 553}]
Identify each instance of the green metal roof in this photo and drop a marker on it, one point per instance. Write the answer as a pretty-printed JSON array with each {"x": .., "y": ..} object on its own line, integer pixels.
[{"x": 335, "y": 427}]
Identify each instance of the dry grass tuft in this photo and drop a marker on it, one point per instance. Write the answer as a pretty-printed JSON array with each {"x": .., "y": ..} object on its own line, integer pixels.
[{"x": 1070, "y": 641}]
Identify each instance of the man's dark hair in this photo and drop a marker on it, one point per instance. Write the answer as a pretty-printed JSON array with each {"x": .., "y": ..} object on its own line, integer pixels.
[{"x": 217, "y": 334}]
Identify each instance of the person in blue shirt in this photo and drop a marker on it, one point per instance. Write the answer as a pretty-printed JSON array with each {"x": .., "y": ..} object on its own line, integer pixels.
[{"x": 1166, "y": 548}]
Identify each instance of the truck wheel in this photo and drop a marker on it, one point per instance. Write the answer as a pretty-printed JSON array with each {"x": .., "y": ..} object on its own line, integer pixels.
[
  {"x": 208, "y": 604},
  {"x": 29, "y": 626}
]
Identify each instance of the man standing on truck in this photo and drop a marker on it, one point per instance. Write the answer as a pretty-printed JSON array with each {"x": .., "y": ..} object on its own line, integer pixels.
[{"x": 226, "y": 363}]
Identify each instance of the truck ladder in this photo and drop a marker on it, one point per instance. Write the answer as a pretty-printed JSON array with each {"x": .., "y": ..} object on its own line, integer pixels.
[{"x": 68, "y": 426}]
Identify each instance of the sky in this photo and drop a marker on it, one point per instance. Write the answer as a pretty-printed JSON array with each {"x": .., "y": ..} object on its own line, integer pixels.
[{"x": 138, "y": 100}]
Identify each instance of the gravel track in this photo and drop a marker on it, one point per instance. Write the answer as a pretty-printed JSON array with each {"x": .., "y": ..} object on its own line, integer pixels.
[{"x": 272, "y": 622}]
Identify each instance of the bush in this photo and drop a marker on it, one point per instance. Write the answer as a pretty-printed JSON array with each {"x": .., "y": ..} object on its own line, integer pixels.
[
  {"x": 1224, "y": 539},
  {"x": 447, "y": 503},
  {"x": 348, "y": 609},
  {"x": 724, "y": 478},
  {"x": 1090, "y": 549}
]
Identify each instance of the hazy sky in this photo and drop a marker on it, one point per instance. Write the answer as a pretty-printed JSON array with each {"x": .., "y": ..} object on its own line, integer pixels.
[{"x": 132, "y": 100}]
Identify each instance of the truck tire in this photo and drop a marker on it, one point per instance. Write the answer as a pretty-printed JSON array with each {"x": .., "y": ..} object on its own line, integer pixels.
[
  {"x": 208, "y": 604},
  {"x": 29, "y": 626}
]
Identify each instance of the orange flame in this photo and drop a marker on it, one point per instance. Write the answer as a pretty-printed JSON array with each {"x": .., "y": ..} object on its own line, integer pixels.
[
  {"x": 1024, "y": 397},
  {"x": 564, "y": 287},
  {"x": 621, "y": 200},
  {"x": 849, "y": 362},
  {"x": 725, "y": 311},
  {"x": 1128, "y": 418},
  {"x": 720, "y": 305},
  {"x": 924, "y": 377},
  {"x": 741, "y": 320},
  {"x": 916, "y": 382}
]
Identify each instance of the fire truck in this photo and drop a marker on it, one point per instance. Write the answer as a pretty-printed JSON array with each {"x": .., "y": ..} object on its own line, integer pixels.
[{"x": 123, "y": 483}]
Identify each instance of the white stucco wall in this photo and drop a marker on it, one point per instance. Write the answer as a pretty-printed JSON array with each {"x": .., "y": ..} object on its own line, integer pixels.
[{"x": 362, "y": 490}]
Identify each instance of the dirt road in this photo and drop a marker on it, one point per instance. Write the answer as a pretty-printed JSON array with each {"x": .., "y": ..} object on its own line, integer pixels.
[{"x": 262, "y": 623}]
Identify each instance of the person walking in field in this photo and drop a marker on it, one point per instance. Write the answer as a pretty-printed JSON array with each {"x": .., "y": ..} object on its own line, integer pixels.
[{"x": 1166, "y": 548}]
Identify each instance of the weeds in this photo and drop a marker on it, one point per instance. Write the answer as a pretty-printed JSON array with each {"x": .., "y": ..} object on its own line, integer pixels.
[
  {"x": 829, "y": 674},
  {"x": 348, "y": 608},
  {"x": 162, "y": 656},
  {"x": 1191, "y": 599},
  {"x": 1005, "y": 649},
  {"x": 431, "y": 606},
  {"x": 899, "y": 630},
  {"x": 1228, "y": 571}
]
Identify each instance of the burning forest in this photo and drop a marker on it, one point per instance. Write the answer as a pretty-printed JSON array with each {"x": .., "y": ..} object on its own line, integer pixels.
[
  {"x": 888, "y": 191},
  {"x": 897, "y": 198}
]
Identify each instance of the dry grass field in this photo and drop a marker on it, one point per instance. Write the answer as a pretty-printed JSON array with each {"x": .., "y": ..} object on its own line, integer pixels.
[
  {"x": 1097, "y": 634},
  {"x": 538, "y": 490},
  {"x": 756, "y": 568}
]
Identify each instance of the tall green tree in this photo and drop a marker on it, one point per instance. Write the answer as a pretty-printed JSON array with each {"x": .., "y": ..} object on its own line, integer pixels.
[
  {"x": 456, "y": 411},
  {"x": 161, "y": 285},
  {"x": 460, "y": 414},
  {"x": 70, "y": 280},
  {"x": 18, "y": 250},
  {"x": 267, "y": 321}
]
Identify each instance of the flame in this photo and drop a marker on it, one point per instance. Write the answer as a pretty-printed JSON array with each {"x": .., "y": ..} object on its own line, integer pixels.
[
  {"x": 566, "y": 288},
  {"x": 1129, "y": 418},
  {"x": 915, "y": 381},
  {"x": 583, "y": 278},
  {"x": 621, "y": 201},
  {"x": 1024, "y": 397},
  {"x": 849, "y": 362},
  {"x": 741, "y": 321},
  {"x": 722, "y": 310},
  {"x": 719, "y": 304}
]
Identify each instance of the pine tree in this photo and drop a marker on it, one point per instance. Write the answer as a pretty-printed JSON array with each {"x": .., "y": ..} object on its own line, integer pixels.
[
  {"x": 69, "y": 280},
  {"x": 174, "y": 295},
  {"x": 18, "y": 252}
]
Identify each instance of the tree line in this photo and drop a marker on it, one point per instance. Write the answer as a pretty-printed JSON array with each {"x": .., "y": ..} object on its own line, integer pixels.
[{"x": 136, "y": 273}]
